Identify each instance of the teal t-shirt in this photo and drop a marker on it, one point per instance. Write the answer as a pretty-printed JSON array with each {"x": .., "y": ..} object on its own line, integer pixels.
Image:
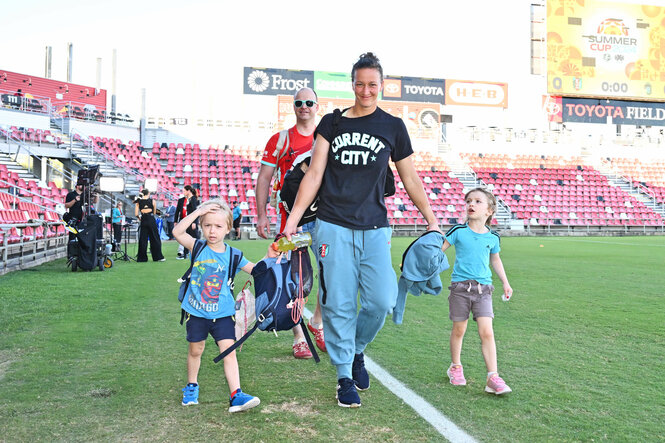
[
  {"x": 472, "y": 253},
  {"x": 209, "y": 294}
]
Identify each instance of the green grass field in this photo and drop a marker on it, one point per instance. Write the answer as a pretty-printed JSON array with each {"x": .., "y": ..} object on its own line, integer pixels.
[{"x": 101, "y": 356}]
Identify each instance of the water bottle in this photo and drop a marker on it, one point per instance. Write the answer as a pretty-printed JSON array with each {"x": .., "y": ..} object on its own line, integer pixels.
[{"x": 299, "y": 240}]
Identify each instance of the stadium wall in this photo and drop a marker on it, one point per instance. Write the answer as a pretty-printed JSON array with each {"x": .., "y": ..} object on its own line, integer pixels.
[{"x": 20, "y": 119}]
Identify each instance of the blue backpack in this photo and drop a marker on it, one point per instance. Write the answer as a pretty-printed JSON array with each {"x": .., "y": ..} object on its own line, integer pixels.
[
  {"x": 236, "y": 256},
  {"x": 280, "y": 287}
]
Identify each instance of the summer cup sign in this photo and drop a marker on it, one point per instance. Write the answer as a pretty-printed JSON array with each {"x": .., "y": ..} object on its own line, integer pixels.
[
  {"x": 605, "y": 49},
  {"x": 613, "y": 111},
  {"x": 272, "y": 81}
]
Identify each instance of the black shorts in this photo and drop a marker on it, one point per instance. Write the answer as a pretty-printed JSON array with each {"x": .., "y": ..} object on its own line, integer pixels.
[
  {"x": 236, "y": 223},
  {"x": 220, "y": 328}
]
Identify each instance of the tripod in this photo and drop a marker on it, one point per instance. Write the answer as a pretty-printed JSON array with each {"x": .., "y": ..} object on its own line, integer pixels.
[{"x": 122, "y": 255}]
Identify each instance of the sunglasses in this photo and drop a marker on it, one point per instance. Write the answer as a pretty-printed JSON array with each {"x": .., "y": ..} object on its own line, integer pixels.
[{"x": 301, "y": 103}]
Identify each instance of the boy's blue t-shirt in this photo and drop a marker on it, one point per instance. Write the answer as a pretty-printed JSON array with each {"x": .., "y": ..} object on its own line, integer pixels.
[
  {"x": 472, "y": 253},
  {"x": 209, "y": 295}
]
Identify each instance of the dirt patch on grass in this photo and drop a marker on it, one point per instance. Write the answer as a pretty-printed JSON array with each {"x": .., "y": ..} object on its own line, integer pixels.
[
  {"x": 6, "y": 359},
  {"x": 293, "y": 407},
  {"x": 101, "y": 392}
]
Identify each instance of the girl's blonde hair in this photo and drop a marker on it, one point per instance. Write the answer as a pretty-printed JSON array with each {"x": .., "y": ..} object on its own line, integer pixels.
[
  {"x": 491, "y": 202},
  {"x": 223, "y": 209}
]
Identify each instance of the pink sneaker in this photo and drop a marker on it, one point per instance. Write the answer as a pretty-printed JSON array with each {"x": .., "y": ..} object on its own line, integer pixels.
[
  {"x": 496, "y": 385},
  {"x": 301, "y": 350},
  {"x": 456, "y": 375}
]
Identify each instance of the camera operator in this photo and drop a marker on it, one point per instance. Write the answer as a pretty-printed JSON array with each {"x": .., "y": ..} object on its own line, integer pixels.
[{"x": 74, "y": 205}]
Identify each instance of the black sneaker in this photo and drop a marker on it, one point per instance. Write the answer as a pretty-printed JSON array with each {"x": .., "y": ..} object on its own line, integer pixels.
[
  {"x": 360, "y": 375},
  {"x": 347, "y": 396}
]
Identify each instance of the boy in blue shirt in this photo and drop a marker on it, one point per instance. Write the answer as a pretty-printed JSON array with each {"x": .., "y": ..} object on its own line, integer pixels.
[{"x": 209, "y": 302}]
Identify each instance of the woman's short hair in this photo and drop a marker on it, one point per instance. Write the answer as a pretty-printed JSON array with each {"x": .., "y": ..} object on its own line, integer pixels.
[
  {"x": 367, "y": 60},
  {"x": 145, "y": 192},
  {"x": 223, "y": 209}
]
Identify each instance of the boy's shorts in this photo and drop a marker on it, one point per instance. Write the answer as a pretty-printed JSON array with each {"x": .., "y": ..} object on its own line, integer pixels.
[
  {"x": 220, "y": 328},
  {"x": 470, "y": 296}
]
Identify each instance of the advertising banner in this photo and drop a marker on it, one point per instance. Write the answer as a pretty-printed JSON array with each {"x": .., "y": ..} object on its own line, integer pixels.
[
  {"x": 272, "y": 81},
  {"x": 472, "y": 93},
  {"x": 553, "y": 106},
  {"x": 421, "y": 119},
  {"x": 333, "y": 84},
  {"x": 414, "y": 89},
  {"x": 606, "y": 49},
  {"x": 618, "y": 112}
]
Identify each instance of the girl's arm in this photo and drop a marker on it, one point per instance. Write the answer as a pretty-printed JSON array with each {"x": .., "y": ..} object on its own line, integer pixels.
[
  {"x": 446, "y": 245},
  {"x": 136, "y": 209},
  {"x": 414, "y": 187},
  {"x": 497, "y": 264},
  {"x": 154, "y": 208}
]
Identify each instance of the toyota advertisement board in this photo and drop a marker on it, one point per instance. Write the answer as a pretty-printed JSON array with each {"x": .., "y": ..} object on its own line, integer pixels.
[
  {"x": 414, "y": 89},
  {"x": 273, "y": 81},
  {"x": 616, "y": 112}
]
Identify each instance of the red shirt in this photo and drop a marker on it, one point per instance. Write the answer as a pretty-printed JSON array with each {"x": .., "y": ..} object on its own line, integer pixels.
[{"x": 298, "y": 144}]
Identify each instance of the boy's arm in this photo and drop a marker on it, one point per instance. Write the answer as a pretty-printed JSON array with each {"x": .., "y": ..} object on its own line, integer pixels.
[
  {"x": 497, "y": 264},
  {"x": 179, "y": 231},
  {"x": 250, "y": 266}
]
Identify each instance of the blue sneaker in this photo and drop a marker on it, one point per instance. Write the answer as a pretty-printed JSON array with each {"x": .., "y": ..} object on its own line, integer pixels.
[
  {"x": 190, "y": 394},
  {"x": 347, "y": 396},
  {"x": 359, "y": 373},
  {"x": 239, "y": 401}
]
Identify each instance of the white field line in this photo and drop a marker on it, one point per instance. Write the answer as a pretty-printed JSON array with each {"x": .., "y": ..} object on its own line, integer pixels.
[
  {"x": 440, "y": 422},
  {"x": 606, "y": 242}
]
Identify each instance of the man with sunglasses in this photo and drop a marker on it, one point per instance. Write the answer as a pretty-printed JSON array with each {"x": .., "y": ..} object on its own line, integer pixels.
[{"x": 299, "y": 141}]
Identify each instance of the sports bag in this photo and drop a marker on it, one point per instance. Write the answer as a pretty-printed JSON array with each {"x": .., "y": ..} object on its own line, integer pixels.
[
  {"x": 236, "y": 256},
  {"x": 297, "y": 173},
  {"x": 282, "y": 141},
  {"x": 280, "y": 286}
]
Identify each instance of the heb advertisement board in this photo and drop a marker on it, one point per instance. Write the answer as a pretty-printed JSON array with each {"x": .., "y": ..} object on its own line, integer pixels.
[
  {"x": 273, "y": 81},
  {"x": 619, "y": 112},
  {"x": 333, "y": 84},
  {"x": 414, "y": 89},
  {"x": 606, "y": 49},
  {"x": 473, "y": 93},
  {"x": 421, "y": 119}
]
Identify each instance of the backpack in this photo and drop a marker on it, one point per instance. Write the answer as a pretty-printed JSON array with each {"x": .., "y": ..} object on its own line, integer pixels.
[
  {"x": 282, "y": 141},
  {"x": 280, "y": 286},
  {"x": 234, "y": 261},
  {"x": 297, "y": 173}
]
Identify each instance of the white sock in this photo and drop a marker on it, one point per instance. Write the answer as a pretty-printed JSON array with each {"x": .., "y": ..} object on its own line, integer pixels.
[
  {"x": 489, "y": 374},
  {"x": 455, "y": 364}
]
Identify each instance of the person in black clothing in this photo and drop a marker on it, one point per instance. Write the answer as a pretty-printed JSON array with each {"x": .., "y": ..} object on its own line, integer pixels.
[
  {"x": 186, "y": 205},
  {"x": 192, "y": 204},
  {"x": 145, "y": 209},
  {"x": 74, "y": 204}
]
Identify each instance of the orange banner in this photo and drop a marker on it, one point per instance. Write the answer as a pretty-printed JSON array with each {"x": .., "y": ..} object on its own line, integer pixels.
[{"x": 472, "y": 93}]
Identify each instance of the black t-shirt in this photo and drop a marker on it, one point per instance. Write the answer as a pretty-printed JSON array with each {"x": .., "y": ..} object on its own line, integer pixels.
[
  {"x": 76, "y": 211},
  {"x": 353, "y": 184},
  {"x": 145, "y": 203}
]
